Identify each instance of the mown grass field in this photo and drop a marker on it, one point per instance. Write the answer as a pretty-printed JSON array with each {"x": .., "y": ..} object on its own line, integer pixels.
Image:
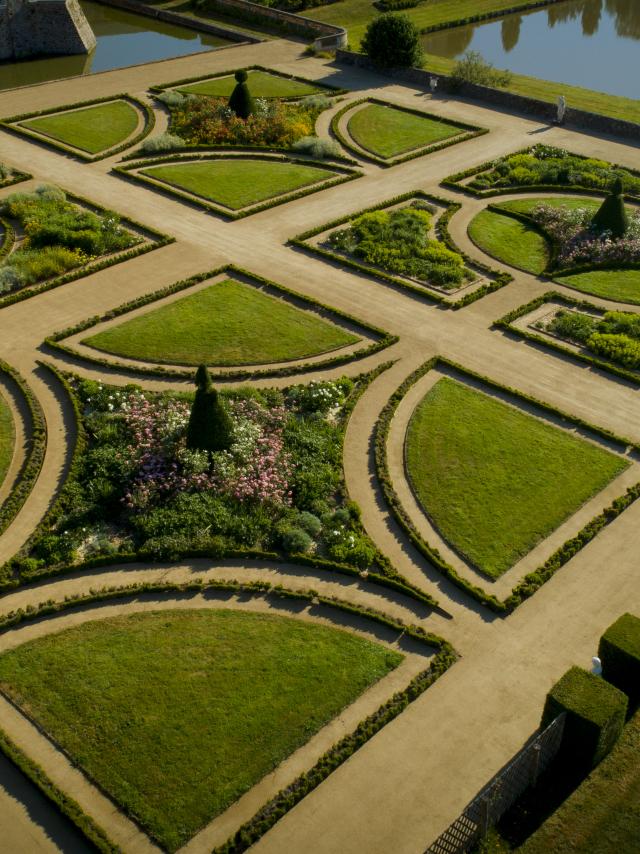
[
  {"x": 91, "y": 129},
  {"x": 495, "y": 480},
  {"x": 7, "y": 438},
  {"x": 387, "y": 132},
  {"x": 261, "y": 85},
  {"x": 619, "y": 285},
  {"x": 229, "y": 323},
  {"x": 177, "y": 713},
  {"x": 603, "y": 815},
  {"x": 238, "y": 183}
]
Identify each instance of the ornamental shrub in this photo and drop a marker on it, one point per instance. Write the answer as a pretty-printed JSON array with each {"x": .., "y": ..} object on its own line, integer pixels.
[
  {"x": 474, "y": 68},
  {"x": 393, "y": 41},
  {"x": 612, "y": 215},
  {"x": 619, "y": 651},
  {"x": 309, "y": 523},
  {"x": 163, "y": 142},
  {"x": 210, "y": 428},
  {"x": 317, "y": 148},
  {"x": 296, "y": 541},
  {"x": 240, "y": 100},
  {"x": 596, "y": 714}
]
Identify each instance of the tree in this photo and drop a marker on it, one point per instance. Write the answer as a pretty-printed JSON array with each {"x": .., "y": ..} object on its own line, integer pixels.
[
  {"x": 210, "y": 427},
  {"x": 611, "y": 215},
  {"x": 240, "y": 100},
  {"x": 393, "y": 41}
]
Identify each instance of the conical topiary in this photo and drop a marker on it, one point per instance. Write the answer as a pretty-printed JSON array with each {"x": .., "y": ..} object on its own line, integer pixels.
[
  {"x": 210, "y": 427},
  {"x": 240, "y": 100},
  {"x": 612, "y": 216}
]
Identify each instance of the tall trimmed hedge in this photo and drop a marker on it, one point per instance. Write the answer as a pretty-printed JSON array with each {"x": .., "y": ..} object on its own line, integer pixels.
[
  {"x": 620, "y": 653},
  {"x": 596, "y": 712}
]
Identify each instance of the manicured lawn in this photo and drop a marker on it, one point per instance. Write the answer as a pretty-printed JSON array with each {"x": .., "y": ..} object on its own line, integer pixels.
[
  {"x": 571, "y": 203},
  {"x": 228, "y": 323},
  {"x": 620, "y": 285},
  {"x": 603, "y": 814},
  {"x": 261, "y": 84},
  {"x": 387, "y": 132},
  {"x": 92, "y": 129},
  {"x": 236, "y": 183},
  {"x": 177, "y": 713},
  {"x": 7, "y": 438},
  {"x": 495, "y": 480},
  {"x": 510, "y": 241}
]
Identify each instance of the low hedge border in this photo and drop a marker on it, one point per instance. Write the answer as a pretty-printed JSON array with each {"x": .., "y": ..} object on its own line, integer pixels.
[
  {"x": 37, "y": 445},
  {"x": 155, "y": 241},
  {"x": 212, "y": 207},
  {"x": 488, "y": 16},
  {"x": 259, "y": 149},
  {"x": 392, "y": 580},
  {"x": 333, "y": 90},
  {"x": 533, "y": 580},
  {"x": 271, "y": 812},
  {"x": 67, "y": 806},
  {"x": 468, "y": 132},
  {"x": 384, "y": 338},
  {"x": 11, "y": 125},
  {"x": 442, "y": 232},
  {"x": 453, "y": 182},
  {"x": 506, "y": 323},
  {"x": 8, "y": 238},
  {"x": 17, "y": 177}
]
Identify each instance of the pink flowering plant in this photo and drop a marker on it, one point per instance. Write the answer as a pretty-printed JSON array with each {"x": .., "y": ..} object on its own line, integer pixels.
[
  {"x": 580, "y": 244},
  {"x": 137, "y": 488}
]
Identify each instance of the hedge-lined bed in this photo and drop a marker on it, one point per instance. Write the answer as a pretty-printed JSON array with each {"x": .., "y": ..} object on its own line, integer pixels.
[
  {"x": 9, "y": 176},
  {"x": 607, "y": 340},
  {"x": 265, "y": 684},
  {"x": 236, "y": 186},
  {"x": 263, "y": 83},
  {"x": 7, "y": 438},
  {"x": 286, "y": 799},
  {"x": 271, "y": 290},
  {"x": 533, "y": 580},
  {"x": 619, "y": 285},
  {"x": 510, "y": 240},
  {"x": 399, "y": 244},
  {"x": 388, "y": 134},
  {"x": 495, "y": 480},
  {"x": 89, "y": 130},
  {"x": 544, "y": 167},
  {"x": 278, "y": 493}
]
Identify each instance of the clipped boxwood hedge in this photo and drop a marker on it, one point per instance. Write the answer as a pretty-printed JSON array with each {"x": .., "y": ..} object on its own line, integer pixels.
[
  {"x": 384, "y": 339},
  {"x": 498, "y": 280},
  {"x": 466, "y": 132},
  {"x": 596, "y": 713},
  {"x": 11, "y": 125},
  {"x": 619, "y": 651}
]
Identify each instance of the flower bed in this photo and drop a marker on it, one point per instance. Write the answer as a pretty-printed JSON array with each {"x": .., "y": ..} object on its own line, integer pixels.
[
  {"x": 398, "y": 241},
  {"x": 615, "y": 336},
  {"x": 58, "y": 237}
]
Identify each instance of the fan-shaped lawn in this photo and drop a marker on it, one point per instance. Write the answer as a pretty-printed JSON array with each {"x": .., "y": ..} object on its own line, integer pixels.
[
  {"x": 7, "y": 438},
  {"x": 619, "y": 285},
  {"x": 262, "y": 84},
  {"x": 222, "y": 697},
  {"x": 494, "y": 480},
  {"x": 237, "y": 183},
  {"x": 388, "y": 132},
  {"x": 511, "y": 241},
  {"x": 228, "y": 323},
  {"x": 91, "y": 129}
]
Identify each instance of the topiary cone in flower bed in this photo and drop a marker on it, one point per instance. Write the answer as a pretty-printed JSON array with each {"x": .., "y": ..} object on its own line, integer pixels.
[
  {"x": 612, "y": 216},
  {"x": 210, "y": 428},
  {"x": 240, "y": 100}
]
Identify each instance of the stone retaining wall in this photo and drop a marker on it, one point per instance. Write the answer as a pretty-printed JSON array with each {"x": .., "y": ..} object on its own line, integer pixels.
[
  {"x": 32, "y": 27},
  {"x": 499, "y": 98}
]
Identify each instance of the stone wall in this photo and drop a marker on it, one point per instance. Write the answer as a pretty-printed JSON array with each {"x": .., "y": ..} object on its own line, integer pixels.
[
  {"x": 33, "y": 27},
  {"x": 499, "y": 98}
]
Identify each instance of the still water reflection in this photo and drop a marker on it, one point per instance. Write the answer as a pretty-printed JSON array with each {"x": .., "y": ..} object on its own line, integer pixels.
[
  {"x": 123, "y": 39},
  {"x": 591, "y": 43}
]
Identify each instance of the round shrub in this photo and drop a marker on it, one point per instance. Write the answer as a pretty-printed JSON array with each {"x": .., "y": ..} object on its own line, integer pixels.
[
  {"x": 296, "y": 541},
  {"x": 317, "y": 148},
  {"x": 393, "y": 41},
  {"x": 163, "y": 142},
  {"x": 309, "y": 523}
]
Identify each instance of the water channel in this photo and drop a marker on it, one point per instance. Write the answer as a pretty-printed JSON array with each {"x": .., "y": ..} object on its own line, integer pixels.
[
  {"x": 123, "y": 39},
  {"x": 589, "y": 43}
]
